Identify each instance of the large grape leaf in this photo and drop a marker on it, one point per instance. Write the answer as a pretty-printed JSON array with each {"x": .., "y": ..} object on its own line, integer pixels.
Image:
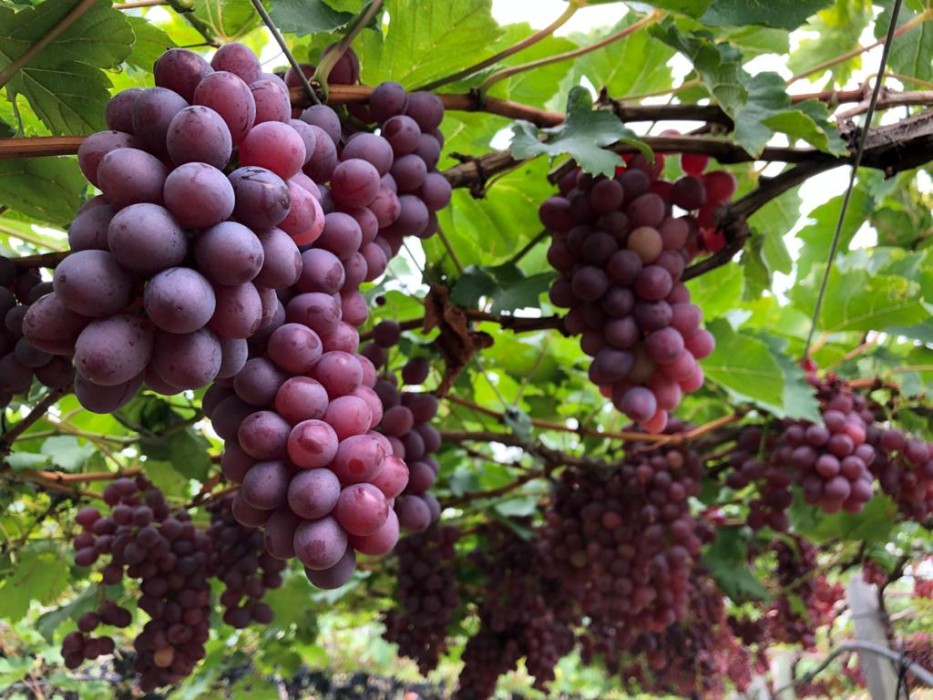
[
  {"x": 489, "y": 231},
  {"x": 718, "y": 64},
  {"x": 799, "y": 399},
  {"x": 227, "y": 19},
  {"x": 67, "y": 453},
  {"x": 50, "y": 621},
  {"x": 830, "y": 33},
  {"x": 307, "y": 16},
  {"x": 758, "y": 104},
  {"x": 817, "y": 236},
  {"x": 912, "y": 52},
  {"x": 151, "y": 42},
  {"x": 185, "y": 450},
  {"x": 727, "y": 559},
  {"x": 506, "y": 286},
  {"x": 717, "y": 291},
  {"x": 744, "y": 366},
  {"x": 633, "y": 66},
  {"x": 783, "y": 14},
  {"x": 427, "y": 40},
  {"x": 353, "y": 6},
  {"x": 872, "y": 525},
  {"x": 38, "y": 575},
  {"x": 856, "y": 300},
  {"x": 583, "y": 136},
  {"x": 534, "y": 87},
  {"x": 753, "y": 40},
  {"x": 64, "y": 82},
  {"x": 693, "y": 8},
  {"x": 49, "y": 190},
  {"x": 766, "y": 252}
]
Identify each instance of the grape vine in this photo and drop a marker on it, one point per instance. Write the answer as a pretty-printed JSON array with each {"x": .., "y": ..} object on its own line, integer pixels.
[{"x": 279, "y": 350}]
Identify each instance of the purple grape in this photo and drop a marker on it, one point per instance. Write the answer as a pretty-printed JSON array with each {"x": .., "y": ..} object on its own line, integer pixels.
[
  {"x": 114, "y": 350},
  {"x": 198, "y": 134},
  {"x": 320, "y": 544},
  {"x": 231, "y": 98},
  {"x": 179, "y": 300},
  {"x": 146, "y": 239},
  {"x": 229, "y": 254},
  {"x": 313, "y": 493}
]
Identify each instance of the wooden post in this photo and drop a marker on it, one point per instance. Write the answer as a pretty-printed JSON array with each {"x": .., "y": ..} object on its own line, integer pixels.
[
  {"x": 782, "y": 674},
  {"x": 862, "y": 598}
]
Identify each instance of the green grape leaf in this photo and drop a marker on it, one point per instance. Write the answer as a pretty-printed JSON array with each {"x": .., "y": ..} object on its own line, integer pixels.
[
  {"x": 719, "y": 65},
  {"x": 227, "y": 19},
  {"x": 50, "y": 621},
  {"x": 301, "y": 17},
  {"x": 830, "y": 33},
  {"x": 66, "y": 452},
  {"x": 799, "y": 399},
  {"x": 692, "y": 8},
  {"x": 758, "y": 104},
  {"x": 518, "y": 507},
  {"x": 37, "y": 576},
  {"x": 856, "y": 300},
  {"x": 873, "y": 524},
  {"x": 817, "y": 236},
  {"x": 766, "y": 252},
  {"x": 151, "y": 42},
  {"x": 505, "y": 220},
  {"x": 14, "y": 669},
  {"x": 534, "y": 87},
  {"x": 63, "y": 82},
  {"x": 727, "y": 559},
  {"x": 506, "y": 286},
  {"x": 633, "y": 66},
  {"x": 166, "y": 478},
  {"x": 912, "y": 52},
  {"x": 809, "y": 121},
  {"x": 583, "y": 136},
  {"x": 352, "y": 6},
  {"x": 744, "y": 366},
  {"x": 425, "y": 41},
  {"x": 185, "y": 450},
  {"x": 783, "y": 14},
  {"x": 716, "y": 291},
  {"x": 18, "y": 461}
]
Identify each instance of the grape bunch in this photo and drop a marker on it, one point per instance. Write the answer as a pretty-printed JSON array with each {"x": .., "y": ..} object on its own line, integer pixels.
[
  {"x": 692, "y": 658},
  {"x": 752, "y": 632},
  {"x": 797, "y": 578},
  {"x": 238, "y": 558},
  {"x": 20, "y": 359},
  {"x": 426, "y": 594},
  {"x": 830, "y": 460},
  {"x": 299, "y": 419},
  {"x": 621, "y": 249},
  {"x": 904, "y": 469},
  {"x": 624, "y": 542},
  {"x": 164, "y": 551},
  {"x": 406, "y": 422},
  {"x": 918, "y": 647},
  {"x": 751, "y": 463},
  {"x": 522, "y": 615},
  {"x": 923, "y": 588},
  {"x": 82, "y": 645},
  {"x": 873, "y": 573},
  {"x": 203, "y": 206}
]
